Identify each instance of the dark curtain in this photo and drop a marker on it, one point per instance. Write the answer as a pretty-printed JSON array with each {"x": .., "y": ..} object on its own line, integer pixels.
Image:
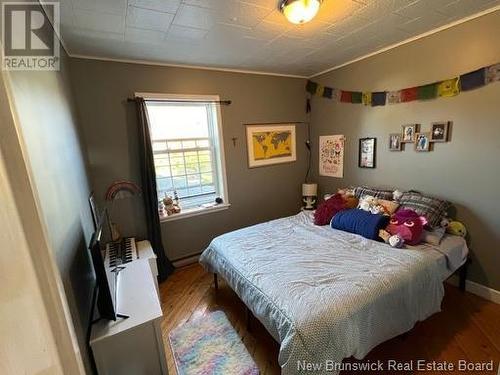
[{"x": 149, "y": 192}]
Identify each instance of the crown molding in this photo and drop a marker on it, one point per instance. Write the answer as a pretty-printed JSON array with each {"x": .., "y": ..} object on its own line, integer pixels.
[{"x": 198, "y": 67}]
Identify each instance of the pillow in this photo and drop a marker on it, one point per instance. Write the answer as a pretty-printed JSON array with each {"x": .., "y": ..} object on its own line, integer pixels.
[
  {"x": 433, "y": 237},
  {"x": 377, "y": 193},
  {"x": 326, "y": 209},
  {"x": 433, "y": 209},
  {"x": 360, "y": 222}
]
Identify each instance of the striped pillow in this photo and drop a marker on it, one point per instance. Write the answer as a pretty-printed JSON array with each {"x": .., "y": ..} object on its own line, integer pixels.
[
  {"x": 433, "y": 209},
  {"x": 361, "y": 191}
]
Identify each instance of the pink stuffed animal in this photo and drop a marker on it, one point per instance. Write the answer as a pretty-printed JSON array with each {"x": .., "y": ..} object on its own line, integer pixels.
[{"x": 408, "y": 225}]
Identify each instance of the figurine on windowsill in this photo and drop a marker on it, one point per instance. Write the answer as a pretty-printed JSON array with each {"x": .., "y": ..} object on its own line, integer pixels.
[{"x": 170, "y": 207}]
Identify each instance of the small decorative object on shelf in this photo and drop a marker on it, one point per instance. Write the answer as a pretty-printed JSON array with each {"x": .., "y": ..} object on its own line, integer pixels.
[
  {"x": 170, "y": 207},
  {"x": 118, "y": 190},
  {"x": 309, "y": 195}
]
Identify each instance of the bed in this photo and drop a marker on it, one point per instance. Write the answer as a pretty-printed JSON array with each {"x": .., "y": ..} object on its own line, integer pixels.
[{"x": 325, "y": 294}]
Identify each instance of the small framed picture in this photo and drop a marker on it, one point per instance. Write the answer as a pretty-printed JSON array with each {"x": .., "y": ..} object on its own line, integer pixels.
[
  {"x": 367, "y": 152},
  {"x": 422, "y": 142},
  {"x": 395, "y": 142},
  {"x": 409, "y": 131},
  {"x": 439, "y": 131}
]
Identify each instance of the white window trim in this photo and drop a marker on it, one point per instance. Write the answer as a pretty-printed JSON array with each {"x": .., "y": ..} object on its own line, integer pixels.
[
  {"x": 196, "y": 211},
  {"x": 219, "y": 149}
]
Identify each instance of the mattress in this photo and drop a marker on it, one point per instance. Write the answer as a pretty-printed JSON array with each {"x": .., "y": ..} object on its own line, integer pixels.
[{"x": 325, "y": 294}]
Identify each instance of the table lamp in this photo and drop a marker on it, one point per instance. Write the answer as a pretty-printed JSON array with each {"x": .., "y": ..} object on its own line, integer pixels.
[{"x": 309, "y": 195}]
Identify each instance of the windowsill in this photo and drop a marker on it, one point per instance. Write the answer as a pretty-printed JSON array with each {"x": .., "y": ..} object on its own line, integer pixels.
[{"x": 195, "y": 212}]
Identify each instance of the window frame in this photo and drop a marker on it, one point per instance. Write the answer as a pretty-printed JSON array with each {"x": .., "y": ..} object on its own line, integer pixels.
[{"x": 217, "y": 136}]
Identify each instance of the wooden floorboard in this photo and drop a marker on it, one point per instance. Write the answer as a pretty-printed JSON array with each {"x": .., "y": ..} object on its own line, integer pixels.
[{"x": 467, "y": 328}]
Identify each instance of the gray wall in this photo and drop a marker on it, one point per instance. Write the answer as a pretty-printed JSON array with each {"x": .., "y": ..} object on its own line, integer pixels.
[
  {"x": 465, "y": 170},
  {"x": 110, "y": 134},
  {"x": 43, "y": 103}
]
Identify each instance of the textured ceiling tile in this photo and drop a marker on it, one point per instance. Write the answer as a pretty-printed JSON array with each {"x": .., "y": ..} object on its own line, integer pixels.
[
  {"x": 109, "y": 6},
  {"x": 143, "y": 36},
  {"x": 99, "y": 21},
  {"x": 338, "y": 10},
  {"x": 168, "y": 6},
  {"x": 462, "y": 8},
  {"x": 186, "y": 33},
  {"x": 269, "y": 4},
  {"x": 192, "y": 16},
  {"x": 200, "y": 3},
  {"x": 266, "y": 31},
  {"x": 251, "y": 33},
  {"x": 148, "y": 19},
  {"x": 234, "y": 12}
]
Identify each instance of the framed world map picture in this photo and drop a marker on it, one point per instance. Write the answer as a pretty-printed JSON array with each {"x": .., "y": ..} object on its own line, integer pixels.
[{"x": 270, "y": 144}]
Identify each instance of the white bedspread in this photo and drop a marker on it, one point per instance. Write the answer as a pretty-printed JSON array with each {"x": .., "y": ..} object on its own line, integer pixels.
[{"x": 324, "y": 294}]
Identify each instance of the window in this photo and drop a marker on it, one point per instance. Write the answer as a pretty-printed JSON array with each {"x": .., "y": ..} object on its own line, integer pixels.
[{"x": 187, "y": 146}]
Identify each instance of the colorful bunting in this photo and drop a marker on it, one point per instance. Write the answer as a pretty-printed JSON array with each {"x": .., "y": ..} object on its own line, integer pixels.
[
  {"x": 356, "y": 97},
  {"x": 378, "y": 98},
  {"x": 367, "y": 98},
  {"x": 446, "y": 88},
  {"x": 493, "y": 73},
  {"x": 327, "y": 92},
  {"x": 336, "y": 95},
  {"x": 311, "y": 87},
  {"x": 393, "y": 97},
  {"x": 409, "y": 95},
  {"x": 472, "y": 80},
  {"x": 427, "y": 92},
  {"x": 319, "y": 90},
  {"x": 346, "y": 97}
]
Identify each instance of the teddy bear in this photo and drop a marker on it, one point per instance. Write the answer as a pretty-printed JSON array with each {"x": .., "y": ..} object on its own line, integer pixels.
[
  {"x": 170, "y": 207},
  {"x": 456, "y": 228}
]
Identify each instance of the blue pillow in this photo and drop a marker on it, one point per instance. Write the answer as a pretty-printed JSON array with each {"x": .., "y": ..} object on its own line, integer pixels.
[{"x": 360, "y": 222}]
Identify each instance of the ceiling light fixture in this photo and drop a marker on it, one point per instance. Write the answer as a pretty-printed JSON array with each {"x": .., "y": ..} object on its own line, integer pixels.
[{"x": 299, "y": 11}]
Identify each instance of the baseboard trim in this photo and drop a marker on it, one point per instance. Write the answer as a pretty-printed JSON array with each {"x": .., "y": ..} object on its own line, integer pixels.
[
  {"x": 480, "y": 290},
  {"x": 186, "y": 261}
]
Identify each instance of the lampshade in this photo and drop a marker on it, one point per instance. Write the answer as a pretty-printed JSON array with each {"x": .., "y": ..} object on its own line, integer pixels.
[
  {"x": 299, "y": 11},
  {"x": 309, "y": 190}
]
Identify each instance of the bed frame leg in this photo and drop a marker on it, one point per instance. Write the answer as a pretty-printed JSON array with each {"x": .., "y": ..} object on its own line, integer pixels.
[
  {"x": 216, "y": 282},
  {"x": 248, "y": 317},
  {"x": 463, "y": 276}
]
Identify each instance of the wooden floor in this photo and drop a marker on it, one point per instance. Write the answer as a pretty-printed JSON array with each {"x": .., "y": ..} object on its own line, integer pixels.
[{"x": 468, "y": 327}]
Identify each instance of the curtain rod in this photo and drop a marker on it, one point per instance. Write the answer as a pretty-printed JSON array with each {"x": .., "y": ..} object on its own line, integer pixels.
[{"x": 221, "y": 102}]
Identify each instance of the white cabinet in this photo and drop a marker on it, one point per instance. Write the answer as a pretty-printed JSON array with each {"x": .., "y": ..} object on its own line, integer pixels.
[{"x": 133, "y": 346}]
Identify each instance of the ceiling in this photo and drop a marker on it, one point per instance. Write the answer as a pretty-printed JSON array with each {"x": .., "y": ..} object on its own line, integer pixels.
[{"x": 250, "y": 34}]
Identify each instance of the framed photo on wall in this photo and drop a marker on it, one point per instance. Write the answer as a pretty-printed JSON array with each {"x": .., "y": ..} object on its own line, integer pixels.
[
  {"x": 395, "y": 142},
  {"x": 270, "y": 144},
  {"x": 367, "y": 152},
  {"x": 439, "y": 131},
  {"x": 422, "y": 142},
  {"x": 408, "y": 134}
]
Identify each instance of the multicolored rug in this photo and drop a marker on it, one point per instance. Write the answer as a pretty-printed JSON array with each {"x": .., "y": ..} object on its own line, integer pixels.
[{"x": 209, "y": 345}]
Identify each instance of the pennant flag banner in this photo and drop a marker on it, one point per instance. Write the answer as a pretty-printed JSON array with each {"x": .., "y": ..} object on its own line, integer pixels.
[
  {"x": 356, "y": 97},
  {"x": 367, "y": 98},
  {"x": 472, "y": 80},
  {"x": 442, "y": 89},
  {"x": 378, "y": 98}
]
